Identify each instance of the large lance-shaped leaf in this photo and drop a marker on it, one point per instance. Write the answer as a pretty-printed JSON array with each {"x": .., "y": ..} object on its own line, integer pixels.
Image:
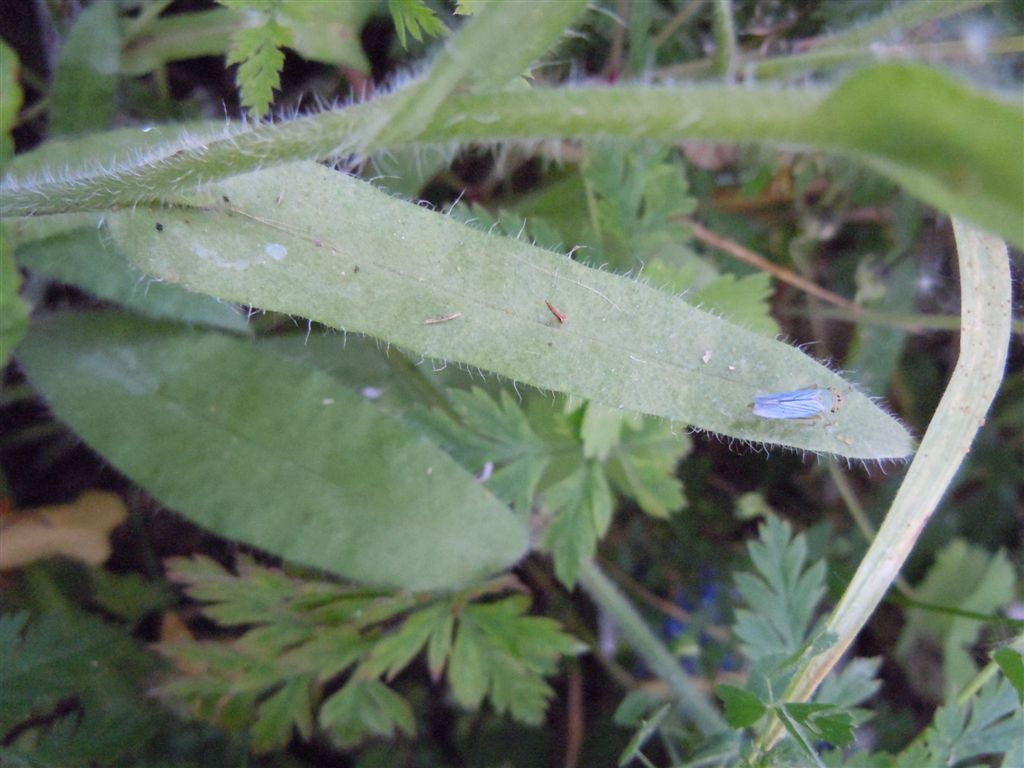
[
  {"x": 307, "y": 240},
  {"x": 264, "y": 451}
]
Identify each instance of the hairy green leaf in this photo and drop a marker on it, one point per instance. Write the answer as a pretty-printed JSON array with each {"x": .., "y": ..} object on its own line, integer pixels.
[
  {"x": 307, "y": 240},
  {"x": 965, "y": 157}
]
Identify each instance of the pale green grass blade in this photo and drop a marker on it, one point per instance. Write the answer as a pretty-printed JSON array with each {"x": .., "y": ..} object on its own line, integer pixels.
[{"x": 984, "y": 341}]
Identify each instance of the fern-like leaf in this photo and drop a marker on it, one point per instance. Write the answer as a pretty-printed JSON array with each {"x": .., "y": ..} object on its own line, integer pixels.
[
  {"x": 304, "y": 635},
  {"x": 71, "y": 661},
  {"x": 366, "y": 707},
  {"x": 582, "y": 508},
  {"x": 258, "y": 52},
  {"x": 571, "y": 459},
  {"x": 493, "y": 438},
  {"x": 782, "y": 596},
  {"x": 502, "y": 654},
  {"x": 415, "y": 18},
  {"x": 991, "y": 723}
]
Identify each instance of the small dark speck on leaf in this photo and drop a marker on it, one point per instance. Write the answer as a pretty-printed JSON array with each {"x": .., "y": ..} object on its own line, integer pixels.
[
  {"x": 225, "y": 198},
  {"x": 355, "y": 269},
  {"x": 159, "y": 227}
]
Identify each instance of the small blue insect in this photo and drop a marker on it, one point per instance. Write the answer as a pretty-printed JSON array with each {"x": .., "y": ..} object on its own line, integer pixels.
[{"x": 803, "y": 405}]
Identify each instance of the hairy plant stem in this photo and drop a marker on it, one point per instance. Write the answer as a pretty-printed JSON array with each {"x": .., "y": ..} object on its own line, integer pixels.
[
  {"x": 693, "y": 704},
  {"x": 180, "y": 167}
]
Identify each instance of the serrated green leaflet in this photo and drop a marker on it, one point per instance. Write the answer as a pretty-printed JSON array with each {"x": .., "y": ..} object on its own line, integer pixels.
[
  {"x": 742, "y": 708},
  {"x": 365, "y": 707},
  {"x": 307, "y": 240},
  {"x": 266, "y": 452}
]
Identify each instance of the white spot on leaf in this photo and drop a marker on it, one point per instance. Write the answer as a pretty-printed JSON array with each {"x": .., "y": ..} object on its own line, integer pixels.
[{"x": 276, "y": 251}]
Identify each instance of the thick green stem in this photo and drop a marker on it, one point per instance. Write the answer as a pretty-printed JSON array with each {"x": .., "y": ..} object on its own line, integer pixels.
[
  {"x": 179, "y": 167},
  {"x": 692, "y": 702},
  {"x": 964, "y": 158}
]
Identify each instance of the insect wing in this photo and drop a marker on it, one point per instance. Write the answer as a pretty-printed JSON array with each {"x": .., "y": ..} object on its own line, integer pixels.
[{"x": 798, "y": 404}]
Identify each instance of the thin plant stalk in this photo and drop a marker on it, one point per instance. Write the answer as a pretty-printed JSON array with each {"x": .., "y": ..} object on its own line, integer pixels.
[{"x": 692, "y": 702}]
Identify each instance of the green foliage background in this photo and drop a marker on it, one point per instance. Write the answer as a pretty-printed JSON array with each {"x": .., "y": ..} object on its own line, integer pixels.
[{"x": 416, "y": 484}]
